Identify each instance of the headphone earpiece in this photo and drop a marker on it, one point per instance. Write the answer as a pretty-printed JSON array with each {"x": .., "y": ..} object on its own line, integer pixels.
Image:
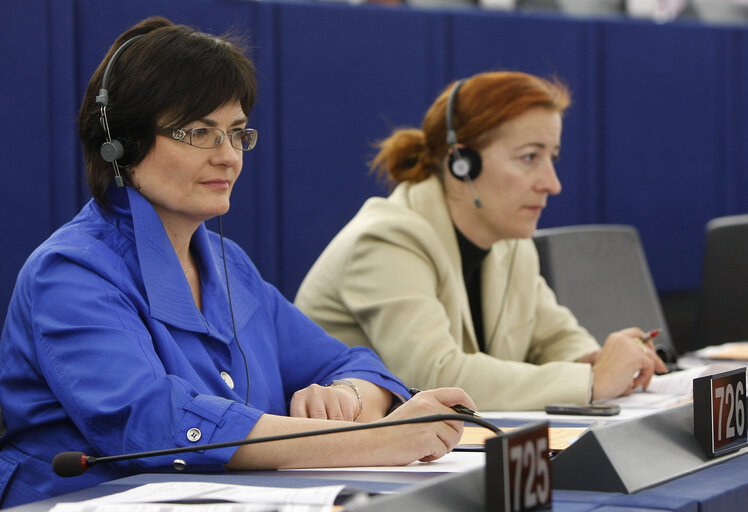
[
  {"x": 465, "y": 163},
  {"x": 111, "y": 151}
]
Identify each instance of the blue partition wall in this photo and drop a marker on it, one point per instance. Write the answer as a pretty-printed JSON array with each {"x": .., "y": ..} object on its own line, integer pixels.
[{"x": 653, "y": 139}]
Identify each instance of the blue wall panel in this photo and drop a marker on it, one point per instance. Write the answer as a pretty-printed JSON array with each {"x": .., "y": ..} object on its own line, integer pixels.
[
  {"x": 736, "y": 105},
  {"x": 27, "y": 161},
  {"x": 665, "y": 133},
  {"x": 654, "y": 138},
  {"x": 346, "y": 80}
]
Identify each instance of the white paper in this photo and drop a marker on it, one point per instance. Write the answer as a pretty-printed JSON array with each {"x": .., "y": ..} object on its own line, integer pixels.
[
  {"x": 719, "y": 351},
  {"x": 155, "y": 496},
  {"x": 664, "y": 391},
  {"x": 171, "y": 507},
  {"x": 678, "y": 386},
  {"x": 452, "y": 462}
]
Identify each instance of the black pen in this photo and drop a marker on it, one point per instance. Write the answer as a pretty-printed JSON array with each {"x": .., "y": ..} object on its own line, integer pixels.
[{"x": 459, "y": 409}]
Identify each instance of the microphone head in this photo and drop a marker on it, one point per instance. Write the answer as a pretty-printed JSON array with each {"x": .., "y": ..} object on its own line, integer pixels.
[{"x": 70, "y": 463}]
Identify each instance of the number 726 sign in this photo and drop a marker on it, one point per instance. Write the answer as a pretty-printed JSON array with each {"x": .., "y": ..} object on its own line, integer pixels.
[{"x": 719, "y": 403}]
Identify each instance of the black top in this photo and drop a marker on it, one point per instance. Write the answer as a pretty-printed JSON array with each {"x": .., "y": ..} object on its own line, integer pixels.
[{"x": 472, "y": 257}]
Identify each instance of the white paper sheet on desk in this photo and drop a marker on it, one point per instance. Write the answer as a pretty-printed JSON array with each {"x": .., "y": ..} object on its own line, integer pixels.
[
  {"x": 670, "y": 389},
  {"x": 172, "y": 507},
  {"x": 203, "y": 495},
  {"x": 451, "y": 463},
  {"x": 736, "y": 351},
  {"x": 664, "y": 391}
]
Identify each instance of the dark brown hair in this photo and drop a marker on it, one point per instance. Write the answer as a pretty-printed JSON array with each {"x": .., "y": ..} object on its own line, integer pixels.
[
  {"x": 173, "y": 74},
  {"x": 484, "y": 102}
]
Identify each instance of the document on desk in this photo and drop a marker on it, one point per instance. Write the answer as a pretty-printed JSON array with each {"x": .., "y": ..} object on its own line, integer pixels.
[
  {"x": 559, "y": 438},
  {"x": 664, "y": 391},
  {"x": 209, "y": 496},
  {"x": 670, "y": 389},
  {"x": 736, "y": 351},
  {"x": 453, "y": 462}
]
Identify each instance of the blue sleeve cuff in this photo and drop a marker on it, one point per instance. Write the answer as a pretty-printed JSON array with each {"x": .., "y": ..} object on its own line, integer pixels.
[{"x": 211, "y": 419}]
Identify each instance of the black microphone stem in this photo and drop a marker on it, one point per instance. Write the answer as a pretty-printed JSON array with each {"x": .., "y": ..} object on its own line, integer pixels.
[{"x": 87, "y": 460}]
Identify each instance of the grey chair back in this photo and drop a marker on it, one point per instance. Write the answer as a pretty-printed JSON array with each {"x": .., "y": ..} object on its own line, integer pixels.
[
  {"x": 723, "y": 295},
  {"x": 601, "y": 274}
]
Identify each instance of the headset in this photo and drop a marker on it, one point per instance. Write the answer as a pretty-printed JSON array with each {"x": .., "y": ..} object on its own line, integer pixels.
[
  {"x": 113, "y": 149},
  {"x": 464, "y": 163}
]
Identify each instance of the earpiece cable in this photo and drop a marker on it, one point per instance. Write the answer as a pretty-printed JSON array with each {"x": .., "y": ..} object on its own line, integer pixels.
[{"x": 231, "y": 307}]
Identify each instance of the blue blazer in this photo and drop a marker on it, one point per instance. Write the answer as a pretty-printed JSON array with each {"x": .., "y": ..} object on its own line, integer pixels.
[{"x": 104, "y": 351}]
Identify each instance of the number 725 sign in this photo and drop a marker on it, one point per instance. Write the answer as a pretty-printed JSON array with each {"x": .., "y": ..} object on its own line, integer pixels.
[
  {"x": 719, "y": 403},
  {"x": 518, "y": 469}
]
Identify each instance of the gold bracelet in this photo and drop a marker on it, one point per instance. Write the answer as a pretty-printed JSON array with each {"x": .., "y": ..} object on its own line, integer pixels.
[{"x": 346, "y": 382}]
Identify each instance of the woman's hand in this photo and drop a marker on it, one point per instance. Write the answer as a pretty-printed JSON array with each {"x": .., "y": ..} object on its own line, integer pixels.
[
  {"x": 424, "y": 441},
  {"x": 336, "y": 402},
  {"x": 625, "y": 363}
]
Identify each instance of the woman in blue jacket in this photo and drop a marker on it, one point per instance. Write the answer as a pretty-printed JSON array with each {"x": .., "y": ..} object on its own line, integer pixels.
[{"x": 123, "y": 334}]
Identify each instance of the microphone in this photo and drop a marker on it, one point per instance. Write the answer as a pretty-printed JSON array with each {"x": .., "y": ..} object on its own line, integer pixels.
[
  {"x": 471, "y": 186},
  {"x": 74, "y": 463}
]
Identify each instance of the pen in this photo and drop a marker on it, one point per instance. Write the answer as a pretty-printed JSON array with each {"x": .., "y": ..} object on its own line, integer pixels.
[
  {"x": 651, "y": 335},
  {"x": 459, "y": 409}
]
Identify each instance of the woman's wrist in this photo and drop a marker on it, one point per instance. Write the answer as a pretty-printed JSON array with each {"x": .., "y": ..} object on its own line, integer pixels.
[{"x": 346, "y": 382}]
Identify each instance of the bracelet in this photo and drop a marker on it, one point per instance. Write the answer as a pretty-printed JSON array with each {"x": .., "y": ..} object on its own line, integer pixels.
[{"x": 346, "y": 382}]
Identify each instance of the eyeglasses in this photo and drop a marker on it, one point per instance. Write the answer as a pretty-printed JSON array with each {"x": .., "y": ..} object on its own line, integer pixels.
[{"x": 210, "y": 137}]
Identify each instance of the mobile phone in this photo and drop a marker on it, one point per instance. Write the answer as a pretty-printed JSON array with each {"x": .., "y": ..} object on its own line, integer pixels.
[{"x": 585, "y": 410}]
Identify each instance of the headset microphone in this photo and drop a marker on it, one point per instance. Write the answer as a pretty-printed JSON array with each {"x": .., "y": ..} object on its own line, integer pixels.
[
  {"x": 113, "y": 149},
  {"x": 464, "y": 163},
  {"x": 471, "y": 186}
]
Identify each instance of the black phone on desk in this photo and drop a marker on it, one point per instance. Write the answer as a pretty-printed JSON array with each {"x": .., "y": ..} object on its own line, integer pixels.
[{"x": 584, "y": 410}]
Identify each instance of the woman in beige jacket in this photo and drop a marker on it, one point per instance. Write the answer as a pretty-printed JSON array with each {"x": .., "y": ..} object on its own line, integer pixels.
[{"x": 442, "y": 278}]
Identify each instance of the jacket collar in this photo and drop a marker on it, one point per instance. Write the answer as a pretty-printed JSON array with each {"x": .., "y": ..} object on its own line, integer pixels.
[{"x": 169, "y": 294}]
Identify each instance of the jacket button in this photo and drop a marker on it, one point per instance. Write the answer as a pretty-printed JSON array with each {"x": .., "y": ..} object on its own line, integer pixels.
[
  {"x": 194, "y": 434},
  {"x": 227, "y": 379}
]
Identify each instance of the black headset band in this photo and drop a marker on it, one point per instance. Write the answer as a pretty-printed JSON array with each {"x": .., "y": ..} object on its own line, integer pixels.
[
  {"x": 451, "y": 132},
  {"x": 103, "y": 97}
]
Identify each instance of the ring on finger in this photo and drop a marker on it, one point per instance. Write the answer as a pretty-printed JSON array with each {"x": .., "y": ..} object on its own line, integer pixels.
[{"x": 643, "y": 346}]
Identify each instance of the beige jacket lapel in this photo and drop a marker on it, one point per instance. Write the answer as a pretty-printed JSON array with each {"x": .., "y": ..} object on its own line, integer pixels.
[
  {"x": 496, "y": 274},
  {"x": 427, "y": 199}
]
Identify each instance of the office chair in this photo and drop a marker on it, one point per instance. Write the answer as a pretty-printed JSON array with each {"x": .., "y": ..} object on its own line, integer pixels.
[
  {"x": 601, "y": 274},
  {"x": 724, "y": 281}
]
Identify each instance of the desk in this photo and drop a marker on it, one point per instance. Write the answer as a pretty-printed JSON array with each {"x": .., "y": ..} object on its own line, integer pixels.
[
  {"x": 715, "y": 489},
  {"x": 719, "y": 487}
]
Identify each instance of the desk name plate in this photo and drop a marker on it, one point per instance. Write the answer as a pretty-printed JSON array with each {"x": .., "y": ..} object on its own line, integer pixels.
[
  {"x": 518, "y": 469},
  {"x": 719, "y": 403}
]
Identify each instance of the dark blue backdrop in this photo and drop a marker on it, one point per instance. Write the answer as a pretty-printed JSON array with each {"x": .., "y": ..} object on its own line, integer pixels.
[{"x": 654, "y": 137}]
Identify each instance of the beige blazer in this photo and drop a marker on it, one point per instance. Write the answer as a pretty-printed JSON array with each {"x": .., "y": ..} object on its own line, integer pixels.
[{"x": 392, "y": 280}]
